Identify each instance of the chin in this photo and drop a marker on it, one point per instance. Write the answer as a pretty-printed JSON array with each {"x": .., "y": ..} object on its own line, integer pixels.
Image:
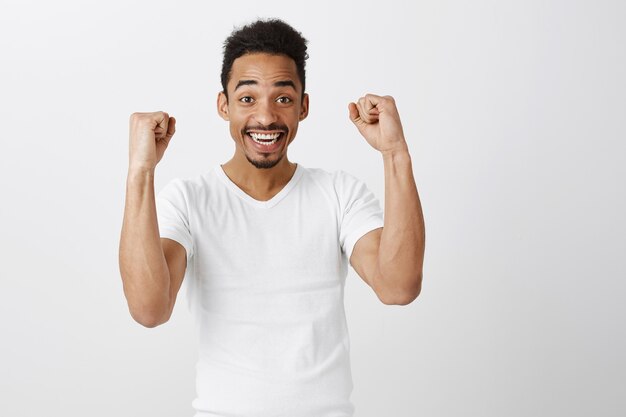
[{"x": 264, "y": 163}]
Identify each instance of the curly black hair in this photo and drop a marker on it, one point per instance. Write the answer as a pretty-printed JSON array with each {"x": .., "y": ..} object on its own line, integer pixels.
[{"x": 272, "y": 36}]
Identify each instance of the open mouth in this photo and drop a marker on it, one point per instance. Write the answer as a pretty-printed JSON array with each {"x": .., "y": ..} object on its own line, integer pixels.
[{"x": 265, "y": 139}]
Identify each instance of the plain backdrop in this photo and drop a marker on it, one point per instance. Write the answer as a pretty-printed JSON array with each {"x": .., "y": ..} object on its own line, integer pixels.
[{"x": 515, "y": 116}]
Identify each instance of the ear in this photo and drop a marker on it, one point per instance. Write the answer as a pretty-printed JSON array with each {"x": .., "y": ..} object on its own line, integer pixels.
[
  {"x": 222, "y": 106},
  {"x": 304, "y": 108}
]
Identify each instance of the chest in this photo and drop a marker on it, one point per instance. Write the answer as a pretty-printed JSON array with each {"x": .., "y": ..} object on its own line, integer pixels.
[{"x": 298, "y": 239}]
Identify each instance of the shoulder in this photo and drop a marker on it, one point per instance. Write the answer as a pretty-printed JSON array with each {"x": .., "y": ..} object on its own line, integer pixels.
[
  {"x": 188, "y": 188},
  {"x": 339, "y": 186},
  {"x": 337, "y": 179}
]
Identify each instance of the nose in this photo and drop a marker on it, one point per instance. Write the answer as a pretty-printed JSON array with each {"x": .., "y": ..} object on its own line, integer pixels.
[{"x": 265, "y": 113}]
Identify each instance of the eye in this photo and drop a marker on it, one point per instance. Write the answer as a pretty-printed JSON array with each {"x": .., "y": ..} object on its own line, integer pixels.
[
  {"x": 283, "y": 100},
  {"x": 246, "y": 99}
]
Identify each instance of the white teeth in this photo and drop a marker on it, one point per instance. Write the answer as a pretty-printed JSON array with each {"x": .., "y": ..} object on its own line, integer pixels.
[
  {"x": 264, "y": 139},
  {"x": 266, "y": 143},
  {"x": 264, "y": 136}
]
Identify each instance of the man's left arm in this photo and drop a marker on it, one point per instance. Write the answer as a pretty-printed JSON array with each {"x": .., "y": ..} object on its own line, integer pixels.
[{"x": 390, "y": 259}]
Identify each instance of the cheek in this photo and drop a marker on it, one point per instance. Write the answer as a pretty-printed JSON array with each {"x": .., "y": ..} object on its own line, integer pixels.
[
  {"x": 292, "y": 133},
  {"x": 236, "y": 123},
  {"x": 235, "y": 133}
]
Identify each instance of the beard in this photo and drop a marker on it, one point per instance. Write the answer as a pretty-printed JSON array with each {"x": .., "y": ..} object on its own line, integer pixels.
[{"x": 264, "y": 163}]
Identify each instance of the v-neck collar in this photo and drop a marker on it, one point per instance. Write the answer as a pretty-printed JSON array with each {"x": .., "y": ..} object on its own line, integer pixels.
[{"x": 258, "y": 203}]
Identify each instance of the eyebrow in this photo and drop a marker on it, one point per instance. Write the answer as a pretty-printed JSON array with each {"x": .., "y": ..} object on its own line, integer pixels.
[{"x": 283, "y": 83}]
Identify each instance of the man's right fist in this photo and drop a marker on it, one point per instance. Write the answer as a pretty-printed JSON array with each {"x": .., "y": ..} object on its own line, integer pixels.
[{"x": 150, "y": 133}]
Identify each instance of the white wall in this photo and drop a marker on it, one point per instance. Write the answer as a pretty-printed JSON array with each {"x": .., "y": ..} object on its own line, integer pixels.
[{"x": 515, "y": 113}]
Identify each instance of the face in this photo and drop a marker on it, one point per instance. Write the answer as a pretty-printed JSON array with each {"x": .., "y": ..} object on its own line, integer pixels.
[{"x": 264, "y": 107}]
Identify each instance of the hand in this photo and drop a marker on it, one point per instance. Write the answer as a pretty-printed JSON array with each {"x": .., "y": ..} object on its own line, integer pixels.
[
  {"x": 378, "y": 121},
  {"x": 150, "y": 133}
]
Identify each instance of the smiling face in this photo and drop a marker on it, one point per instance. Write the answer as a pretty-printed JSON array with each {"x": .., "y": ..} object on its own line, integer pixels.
[{"x": 264, "y": 106}]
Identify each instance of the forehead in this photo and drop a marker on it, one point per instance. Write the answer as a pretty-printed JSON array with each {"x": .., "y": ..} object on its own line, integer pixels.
[{"x": 263, "y": 68}]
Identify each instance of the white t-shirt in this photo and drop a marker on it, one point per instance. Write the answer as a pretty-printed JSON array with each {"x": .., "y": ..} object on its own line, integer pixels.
[{"x": 265, "y": 283}]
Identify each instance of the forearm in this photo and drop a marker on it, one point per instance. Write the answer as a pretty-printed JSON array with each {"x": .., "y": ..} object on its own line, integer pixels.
[
  {"x": 143, "y": 266},
  {"x": 401, "y": 252}
]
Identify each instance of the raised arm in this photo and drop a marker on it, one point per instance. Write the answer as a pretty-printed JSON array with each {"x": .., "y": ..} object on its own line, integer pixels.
[
  {"x": 390, "y": 259},
  {"x": 152, "y": 268}
]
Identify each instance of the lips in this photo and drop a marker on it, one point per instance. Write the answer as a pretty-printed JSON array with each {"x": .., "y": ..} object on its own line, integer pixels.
[{"x": 266, "y": 141}]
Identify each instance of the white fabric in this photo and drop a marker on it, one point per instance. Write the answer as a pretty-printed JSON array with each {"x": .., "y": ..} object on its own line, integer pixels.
[{"x": 265, "y": 282}]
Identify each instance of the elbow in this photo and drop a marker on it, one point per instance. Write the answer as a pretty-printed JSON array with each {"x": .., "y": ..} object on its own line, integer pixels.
[
  {"x": 150, "y": 317},
  {"x": 149, "y": 321},
  {"x": 400, "y": 299},
  {"x": 148, "y": 310},
  {"x": 401, "y": 296}
]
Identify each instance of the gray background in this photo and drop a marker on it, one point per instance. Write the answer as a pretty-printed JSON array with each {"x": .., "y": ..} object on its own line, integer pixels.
[{"x": 514, "y": 113}]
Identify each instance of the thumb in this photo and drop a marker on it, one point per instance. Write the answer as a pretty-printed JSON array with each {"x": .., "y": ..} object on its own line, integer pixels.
[
  {"x": 171, "y": 127},
  {"x": 354, "y": 114}
]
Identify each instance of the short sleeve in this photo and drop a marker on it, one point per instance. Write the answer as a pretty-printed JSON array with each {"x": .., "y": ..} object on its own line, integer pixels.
[
  {"x": 361, "y": 211},
  {"x": 172, "y": 205}
]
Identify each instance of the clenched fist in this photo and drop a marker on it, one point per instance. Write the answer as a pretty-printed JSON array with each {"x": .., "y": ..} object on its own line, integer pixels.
[
  {"x": 378, "y": 121},
  {"x": 150, "y": 133}
]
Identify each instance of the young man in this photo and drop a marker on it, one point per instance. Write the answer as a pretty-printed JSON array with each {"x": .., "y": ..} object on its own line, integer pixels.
[{"x": 264, "y": 243}]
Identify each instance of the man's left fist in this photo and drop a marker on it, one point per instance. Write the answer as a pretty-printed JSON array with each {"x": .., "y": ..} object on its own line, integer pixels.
[{"x": 378, "y": 121}]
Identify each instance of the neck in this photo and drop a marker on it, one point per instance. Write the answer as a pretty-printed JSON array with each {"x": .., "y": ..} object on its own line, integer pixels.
[{"x": 260, "y": 184}]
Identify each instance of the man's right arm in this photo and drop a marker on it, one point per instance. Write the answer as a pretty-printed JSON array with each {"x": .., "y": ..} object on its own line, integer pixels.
[{"x": 152, "y": 268}]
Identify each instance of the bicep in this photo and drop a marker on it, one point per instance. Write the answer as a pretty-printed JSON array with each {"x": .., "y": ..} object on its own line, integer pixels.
[
  {"x": 176, "y": 258},
  {"x": 364, "y": 258}
]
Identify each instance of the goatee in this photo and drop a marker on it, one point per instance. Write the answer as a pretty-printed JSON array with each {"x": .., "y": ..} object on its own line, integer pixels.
[{"x": 265, "y": 163}]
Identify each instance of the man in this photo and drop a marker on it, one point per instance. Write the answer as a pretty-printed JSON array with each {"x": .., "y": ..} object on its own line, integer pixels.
[{"x": 264, "y": 243}]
